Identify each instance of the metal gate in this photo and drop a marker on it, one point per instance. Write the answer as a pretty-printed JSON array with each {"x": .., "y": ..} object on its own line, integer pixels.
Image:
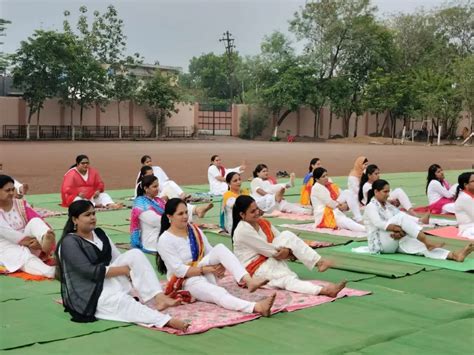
[{"x": 215, "y": 119}]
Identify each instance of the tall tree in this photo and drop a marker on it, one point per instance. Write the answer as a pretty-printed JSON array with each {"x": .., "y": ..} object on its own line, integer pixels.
[
  {"x": 280, "y": 78},
  {"x": 38, "y": 67},
  {"x": 326, "y": 28},
  {"x": 4, "y": 58},
  {"x": 160, "y": 99}
]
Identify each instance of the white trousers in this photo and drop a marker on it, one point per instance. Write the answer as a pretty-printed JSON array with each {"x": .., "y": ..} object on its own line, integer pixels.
[
  {"x": 278, "y": 272},
  {"x": 448, "y": 208},
  {"x": 33, "y": 265},
  {"x": 205, "y": 289},
  {"x": 344, "y": 222},
  {"x": 115, "y": 301},
  {"x": 170, "y": 189},
  {"x": 289, "y": 207},
  {"x": 408, "y": 244},
  {"x": 103, "y": 199},
  {"x": 352, "y": 202},
  {"x": 466, "y": 230},
  {"x": 402, "y": 197}
]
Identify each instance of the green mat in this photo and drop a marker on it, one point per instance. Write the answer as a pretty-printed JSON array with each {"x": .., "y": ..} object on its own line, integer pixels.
[
  {"x": 364, "y": 264},
  {"x": 467, "y": 265},
  {"x": 12, "y": 288},
  {"x": 443, "y": 284},
  {"x": 451, "y": 338},
  {"x": 40, "y": 319},
  {"x": 336, "y": 328}
]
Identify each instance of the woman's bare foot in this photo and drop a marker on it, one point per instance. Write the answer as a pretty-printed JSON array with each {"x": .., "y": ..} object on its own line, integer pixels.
[
  {"x": 264, "y": 307},
  {"x": 279, "y": 195},
  {"x": 24, "y": 189},
  {"x": 332, "y": 290},
  {"x": 162, "y": 302},
  {"x": 425, "y": 219},
  {"x": 324, "y": 264},
  {"x": 114, "y": 206},
  {"x": 253, "y": 283},
  {"x": 178, "y": 324},
  {"x": 201, "y": 211},
  {"x": 48, "y": 241},
  {"x": 292, "y": 179},
  {"x": 460, "y": 255}
]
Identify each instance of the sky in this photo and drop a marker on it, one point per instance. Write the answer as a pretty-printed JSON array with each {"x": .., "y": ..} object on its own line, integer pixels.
[{"x": 173, "y": 31}]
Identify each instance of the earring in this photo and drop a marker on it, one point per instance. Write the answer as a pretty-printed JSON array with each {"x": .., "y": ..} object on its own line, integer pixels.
[{"x": 75, "y": 227}]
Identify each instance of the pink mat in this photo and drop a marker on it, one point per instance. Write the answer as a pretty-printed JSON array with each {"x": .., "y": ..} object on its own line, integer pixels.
[
  {"x": 426, "y": 209},
  {"x": 446, "y": 232},
  {"x": 290, "y": 216},
  {"x": 44, "y": 212},
  {"x": 310, "y": 227},
  {"x": 204, "y": 316}
]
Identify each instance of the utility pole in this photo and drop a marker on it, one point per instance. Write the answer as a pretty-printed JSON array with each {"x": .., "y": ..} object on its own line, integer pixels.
[{"x": 229, "y": 46}]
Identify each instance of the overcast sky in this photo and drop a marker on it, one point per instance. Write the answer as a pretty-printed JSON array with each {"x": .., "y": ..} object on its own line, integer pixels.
[{"x": 173, "y": 31}]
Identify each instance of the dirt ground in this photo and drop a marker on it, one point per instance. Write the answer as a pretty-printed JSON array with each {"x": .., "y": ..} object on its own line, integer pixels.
[{"x": 42, "y": 164}]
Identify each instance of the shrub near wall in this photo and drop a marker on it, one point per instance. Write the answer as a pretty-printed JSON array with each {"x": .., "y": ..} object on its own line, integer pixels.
[{"x": 252, "y": 126}]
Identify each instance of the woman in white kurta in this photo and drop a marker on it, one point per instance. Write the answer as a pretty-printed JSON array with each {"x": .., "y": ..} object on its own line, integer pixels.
[
  {"x": 234, "y": 180},
  {"x": 192, "y": 264},
  {"x": 353, "y": 180},
  {"x": 269, "y": 195},
  {"x": 464, "y": 205},
  {"x": 397, "y": 197},
  {"x": 147, "y": 210},
  {"x": 391, "y": 231},
  {"x": 440, "y": 193},
  {"x": 25, "y": 239},
  {"x": 168, "y": 187},
  {"x": 216, "y": 174},
  {"x": 264, "y": 251},
  {"x": 329, "y": 205},
  {"x": 97, "y": 281}
]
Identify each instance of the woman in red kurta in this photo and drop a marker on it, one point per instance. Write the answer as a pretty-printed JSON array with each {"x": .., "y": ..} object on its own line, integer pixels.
[{"x": 81, "y": 182}]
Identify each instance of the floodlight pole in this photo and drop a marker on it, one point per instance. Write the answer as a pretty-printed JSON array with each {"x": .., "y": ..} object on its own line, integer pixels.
[{"x": 229, "y": 46}]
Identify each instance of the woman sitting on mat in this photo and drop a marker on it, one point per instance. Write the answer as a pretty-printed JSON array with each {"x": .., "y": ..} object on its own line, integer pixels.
[
  {"x": 262, "y": 187},
  {"x": 167, "y": 187},
  {"x": 234, "y": 181},
  {"x": 440, "y": 193},
  {"x": 192, "y": 265},
  {"x": 97, "y": 281},
  {"x": 148, "y": 208},
  {"x": 25, "y": 239},
  {"x": 397, "y": 197},
  {"x": 353, "y": 180},
  {"x": 329, "y": 204},
  {"x": 216, "y": 174},
  {"x": 81, "y": 182},
  {"x": 308, "y": 182},
  {"x": 264, "y": 251},
  {"x": 391, "y": 231},
  {"x": 464, "y": 205}
]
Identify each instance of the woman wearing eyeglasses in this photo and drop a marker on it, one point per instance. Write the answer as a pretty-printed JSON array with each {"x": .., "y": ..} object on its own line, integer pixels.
[{"x": 81, "y": 182}]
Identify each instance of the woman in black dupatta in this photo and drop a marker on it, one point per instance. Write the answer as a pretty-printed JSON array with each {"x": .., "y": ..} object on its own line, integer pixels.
[{"x": 96, "y": 280}]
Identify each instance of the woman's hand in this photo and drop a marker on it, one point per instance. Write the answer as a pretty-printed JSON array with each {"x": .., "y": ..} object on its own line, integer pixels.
[
  {"x": 283, "y": 254},
  {"x": 343, "y": 207},
  {"x": 217, "y": 270}
]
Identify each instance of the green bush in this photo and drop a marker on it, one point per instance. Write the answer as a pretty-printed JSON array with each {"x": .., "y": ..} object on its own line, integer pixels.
[{"x": 253, "y": 126}]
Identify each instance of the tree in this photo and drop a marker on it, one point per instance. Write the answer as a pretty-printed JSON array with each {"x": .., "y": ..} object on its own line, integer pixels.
[
  {"x": 280, "y": 78},
  {"x": 38, "y": 67},
  {"x": 464, "y": 84},
  {"x": 105, "y": 41},
  {"x": 326, "y": 28},
  {"x": 159, "y": 98},
  {"x": 4, "y": 58}
]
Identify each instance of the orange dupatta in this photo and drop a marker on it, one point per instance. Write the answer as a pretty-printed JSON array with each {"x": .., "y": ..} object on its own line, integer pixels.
[
  {"x": 259, "y": 260},
  {"x": 328, "y": 220}
]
